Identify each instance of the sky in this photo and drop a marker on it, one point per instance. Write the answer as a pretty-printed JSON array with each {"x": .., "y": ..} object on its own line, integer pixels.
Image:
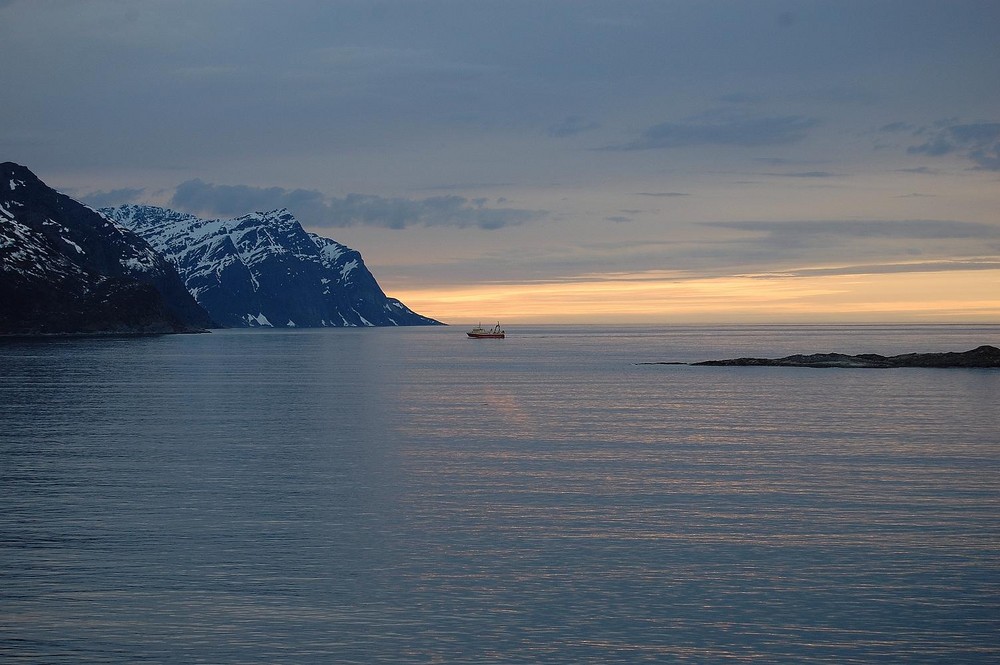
[{"x": 549, "y": 162}]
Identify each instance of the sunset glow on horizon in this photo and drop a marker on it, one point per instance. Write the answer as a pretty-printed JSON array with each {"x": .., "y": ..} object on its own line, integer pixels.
[{"x": 932, "y": 297}]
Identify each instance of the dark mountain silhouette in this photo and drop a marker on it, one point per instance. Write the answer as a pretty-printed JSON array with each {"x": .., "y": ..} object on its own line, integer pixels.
[{"x": 65, "y": 269}]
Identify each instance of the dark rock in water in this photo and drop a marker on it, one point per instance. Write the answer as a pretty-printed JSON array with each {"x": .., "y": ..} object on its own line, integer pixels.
[
  {"x": 983, "y": 356},
  {"x": 65, "y": 269}
]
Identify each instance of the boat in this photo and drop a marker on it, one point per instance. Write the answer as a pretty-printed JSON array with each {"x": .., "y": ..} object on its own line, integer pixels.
[{"x": 496, "y": 332}]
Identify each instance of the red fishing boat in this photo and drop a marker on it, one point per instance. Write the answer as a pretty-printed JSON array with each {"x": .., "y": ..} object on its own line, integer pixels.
[{"x": 496, "y": 332}]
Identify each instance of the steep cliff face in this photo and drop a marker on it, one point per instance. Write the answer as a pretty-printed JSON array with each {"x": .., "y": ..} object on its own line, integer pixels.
[
  {"x": 64, "y": 269},
  {"x": 264, "y": 269}
]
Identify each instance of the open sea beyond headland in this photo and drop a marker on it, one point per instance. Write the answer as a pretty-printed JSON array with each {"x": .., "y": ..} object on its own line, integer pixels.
[{"x": 413, "y": 496}]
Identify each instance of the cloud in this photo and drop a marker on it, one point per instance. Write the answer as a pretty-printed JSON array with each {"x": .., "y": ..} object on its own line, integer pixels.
[
  {"x": 618, "y": 219},
  {"x": 742, "y": 98},
  {"x": 806, "y": 174},
  {"x": 771, "y": 246},
  {"x": 112, "y": 198},
  {"x": 313, "y": 208},
  {"x": 775, "y": 161},
  {"x": 978, "y": 142},
  {"x": 197, "y": 196},
  {"x": 935, "y": 147},
  {"x": 662, "y": 194},
  {"x": 818, "y": 242},
  {"x": 917, "y": 229},
  {"x": 889, "y": 268},
  {"x": 796, "y": 248},
  {"x": 571, "y": 126},
  {"x": 724, "y": 127},
  {"x": 898, "y": 126},
  {"x": 924, "y": 170},
  {"x": 467, "y": 185}
]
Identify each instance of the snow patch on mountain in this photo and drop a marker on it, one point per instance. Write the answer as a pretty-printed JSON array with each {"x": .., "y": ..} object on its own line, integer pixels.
[
  {"x": 66, "y": 269},
  {"x": 265, "y": 262},
  {"x": 346, "y": 269}
]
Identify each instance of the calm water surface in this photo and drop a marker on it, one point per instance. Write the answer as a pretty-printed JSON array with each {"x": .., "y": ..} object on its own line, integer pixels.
[{"x": 408, "y": 495}]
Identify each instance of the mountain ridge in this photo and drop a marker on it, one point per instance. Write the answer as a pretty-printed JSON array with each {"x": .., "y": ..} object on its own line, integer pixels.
[
  {"x": 265, "y": 269},
  {"x": 66, "y": 269}
]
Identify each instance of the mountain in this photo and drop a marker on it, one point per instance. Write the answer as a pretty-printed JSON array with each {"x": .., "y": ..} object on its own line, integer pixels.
[
  {"x": 264, "y": 269},
  {"x": 66, "y": 269}
]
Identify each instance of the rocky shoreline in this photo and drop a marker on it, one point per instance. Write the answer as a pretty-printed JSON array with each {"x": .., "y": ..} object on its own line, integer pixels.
[{"x": 983, "y": 356}]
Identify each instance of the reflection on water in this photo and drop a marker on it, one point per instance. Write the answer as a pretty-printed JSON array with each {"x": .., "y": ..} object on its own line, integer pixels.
[{"x": 413, "y": 496}]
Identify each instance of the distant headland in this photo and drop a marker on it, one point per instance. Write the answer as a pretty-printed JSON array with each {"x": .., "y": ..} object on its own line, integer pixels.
[{"x": 983, "y": 356}]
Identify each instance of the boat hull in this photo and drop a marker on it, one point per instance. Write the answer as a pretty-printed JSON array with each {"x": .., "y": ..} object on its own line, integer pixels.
[{"x": 485, "y": 335}]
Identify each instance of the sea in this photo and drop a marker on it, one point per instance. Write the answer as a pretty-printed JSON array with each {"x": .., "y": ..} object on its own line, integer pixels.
[{"x": 409, "y": 495}]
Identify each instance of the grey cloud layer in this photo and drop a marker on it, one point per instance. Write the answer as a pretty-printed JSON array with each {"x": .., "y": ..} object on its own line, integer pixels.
[
  {"x": 890, "y": 268},
  {"x": 896, "y": 245},
  {"x": 807, "y": 248},
  {"x": 112, "y": 198},
  {"x": 571, "y": 126},
  {"x": 313, "y": 208},
  {"x": 979, "y": 142},
  {"x": 216, "y": 78},
  {"x": 856, "y": 246},
  {"x": 920, "y": 229},
  {"x": 723, "y": 128},
  {"x": 859, "y": 243}
]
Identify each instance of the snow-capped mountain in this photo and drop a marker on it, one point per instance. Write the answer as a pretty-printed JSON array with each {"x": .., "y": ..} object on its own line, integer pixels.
[
  {"x": 264, "y": 269},
  {"x": 66, "y": 269}
]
